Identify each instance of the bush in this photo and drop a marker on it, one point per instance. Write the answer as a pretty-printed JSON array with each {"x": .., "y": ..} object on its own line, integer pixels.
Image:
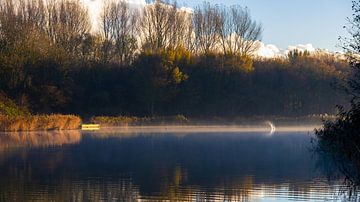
[
  {"x": 339, "y": 142},
  {"x": 9, "y": 107},
  {"x": 342, "y": 136}
]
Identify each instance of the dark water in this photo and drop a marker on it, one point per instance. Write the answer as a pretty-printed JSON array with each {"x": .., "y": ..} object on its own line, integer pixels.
[{"x": 76, "y": 166}]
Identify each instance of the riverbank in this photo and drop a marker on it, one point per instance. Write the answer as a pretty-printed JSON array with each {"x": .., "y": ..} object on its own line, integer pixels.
[
  {"x": 72, "y": 122},
  {"x": 39, "y": 122},
  {"x": 118, "y": 121}
]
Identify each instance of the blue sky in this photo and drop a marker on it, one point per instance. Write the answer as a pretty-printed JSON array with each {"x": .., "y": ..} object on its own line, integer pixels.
[{"x": 292, "y": 22}]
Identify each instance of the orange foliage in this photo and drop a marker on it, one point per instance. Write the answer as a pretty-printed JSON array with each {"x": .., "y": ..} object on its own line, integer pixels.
[{"x": 39, "y": 122}]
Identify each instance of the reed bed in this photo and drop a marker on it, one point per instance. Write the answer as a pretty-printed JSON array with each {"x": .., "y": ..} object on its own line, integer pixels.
[
  {"x": 137, "y": 121},
  {"x": 39, "y": 122},
  {"x": 110, "y": 121}
]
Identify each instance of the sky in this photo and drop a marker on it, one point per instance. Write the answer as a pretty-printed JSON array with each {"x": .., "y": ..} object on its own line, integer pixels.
[
  {"x": 288, "y": 23},
  {"x": 292, "y": 22}
]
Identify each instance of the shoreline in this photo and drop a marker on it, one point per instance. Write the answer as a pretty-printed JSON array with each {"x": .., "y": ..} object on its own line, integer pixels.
[
  {"x": 58, "y": 122},
  {"x": 180, "y": 120},
  {"x": 205, "y": 129}
]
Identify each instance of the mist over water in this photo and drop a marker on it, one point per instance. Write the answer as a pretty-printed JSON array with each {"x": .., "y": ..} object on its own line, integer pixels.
[
  {"x": 265, "y": 127},
  {"x": 177, "y": 163}
]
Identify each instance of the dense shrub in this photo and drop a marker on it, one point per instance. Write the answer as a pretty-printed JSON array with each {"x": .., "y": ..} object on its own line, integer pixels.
[{"x": 9, "y": 108}]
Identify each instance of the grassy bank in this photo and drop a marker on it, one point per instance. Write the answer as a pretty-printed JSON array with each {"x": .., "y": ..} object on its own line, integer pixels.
[
  {"x": 39, "y": 122},
  {"x": 16, "y": 118},
  {"x": 138, "y": 121},
  {"x": 111, "y": 121}
]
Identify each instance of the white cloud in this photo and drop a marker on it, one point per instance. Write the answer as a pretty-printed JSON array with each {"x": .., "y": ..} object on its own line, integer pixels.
[
  {"x": 301, "y": 47},
  {"x": 95, "y": 7},
  {"x": 270, "y": 50},
  {"x": 187, "y": 9}
]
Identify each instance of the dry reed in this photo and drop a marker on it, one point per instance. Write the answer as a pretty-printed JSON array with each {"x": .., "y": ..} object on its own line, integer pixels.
[
  {"x": 39, "y": 122},
  {"x": 136, "y": 121}
]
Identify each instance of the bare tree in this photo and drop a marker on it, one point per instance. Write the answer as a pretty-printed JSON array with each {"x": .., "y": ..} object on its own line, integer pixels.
[
  {"x": 8, "y": 21},
  {"x": 21, "y": 19},
  {"x": 164, "y": 25},
  {"x": 32, "y": 14},
  {"x": 238, "y": 32},
  {"x": 119, "y": 29},
  {"x": 206, "y": 22},
  {"x": 106, "y": 24},
  {"x": 68, "y": 23},
  {"x": 156, "y": 25}
]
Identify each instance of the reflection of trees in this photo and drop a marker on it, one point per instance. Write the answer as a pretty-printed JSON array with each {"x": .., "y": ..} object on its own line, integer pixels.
[
  {"x": 161, "y": 167},
  {"x": 67, "y": 190},
  {"x": 339, "y": 169},
  {"x": 10, "y": 143},
  {"x": 38, "y": 139},
  {"x": 125, "y": 189}
]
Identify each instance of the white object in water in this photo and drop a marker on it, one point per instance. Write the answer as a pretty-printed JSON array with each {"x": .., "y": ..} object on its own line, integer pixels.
[{"x": 272, "y": 127}]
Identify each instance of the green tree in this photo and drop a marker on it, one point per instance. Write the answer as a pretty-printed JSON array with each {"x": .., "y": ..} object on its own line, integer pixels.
[{"x": 157, "y": 78}]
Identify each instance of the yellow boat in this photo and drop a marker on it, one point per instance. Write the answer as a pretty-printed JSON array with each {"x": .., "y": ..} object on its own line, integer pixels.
[{"x": 90, "y": 127}]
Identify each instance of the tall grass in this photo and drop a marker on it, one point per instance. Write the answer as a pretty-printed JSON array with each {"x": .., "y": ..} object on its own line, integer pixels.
[
  {"x": 135, "y": 121},
  {"x": 109, "y": 121},
  {"x": 39, "y": 122}
]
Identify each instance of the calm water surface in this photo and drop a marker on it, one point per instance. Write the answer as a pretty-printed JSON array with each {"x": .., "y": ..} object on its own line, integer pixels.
[{"x": 110, "y": 166}]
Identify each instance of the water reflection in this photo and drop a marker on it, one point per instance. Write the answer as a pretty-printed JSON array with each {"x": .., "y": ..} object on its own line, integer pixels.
[
  {"x": 38, "y": 139},
  {"x": 154, "y": 167},
  {"x": 337, "y": 166}
]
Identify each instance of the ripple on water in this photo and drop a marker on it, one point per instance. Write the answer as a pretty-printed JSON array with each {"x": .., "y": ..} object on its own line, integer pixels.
[{"x": 223, "y": 166}]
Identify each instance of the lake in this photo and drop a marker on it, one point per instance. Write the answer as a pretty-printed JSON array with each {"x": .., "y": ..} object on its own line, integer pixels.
[{"x": 146, "y": 165}]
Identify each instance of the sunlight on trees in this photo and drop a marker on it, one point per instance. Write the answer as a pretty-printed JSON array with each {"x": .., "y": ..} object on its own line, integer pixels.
[{"x": 160, "y": 59}]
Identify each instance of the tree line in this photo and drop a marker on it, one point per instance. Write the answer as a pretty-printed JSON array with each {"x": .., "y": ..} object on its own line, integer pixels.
[{"x": 157, "y": 60}]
